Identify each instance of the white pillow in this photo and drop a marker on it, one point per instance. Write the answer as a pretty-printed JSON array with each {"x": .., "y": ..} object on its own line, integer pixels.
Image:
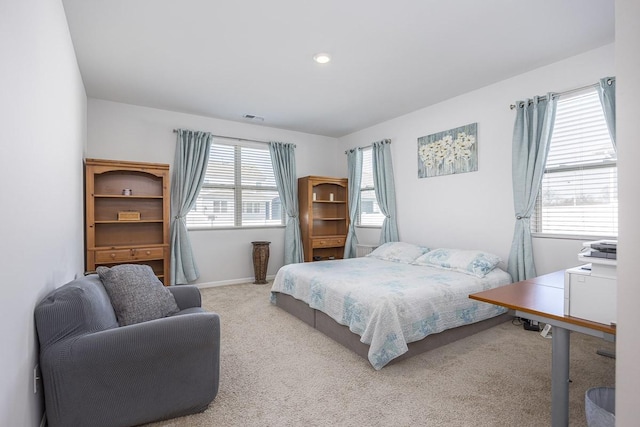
[
  {"x": 475, "y": 263},
  {"x": 398, "y": 252}
]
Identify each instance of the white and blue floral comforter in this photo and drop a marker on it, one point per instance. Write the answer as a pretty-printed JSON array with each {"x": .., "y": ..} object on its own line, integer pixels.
[{"x": 389, "y": 304}]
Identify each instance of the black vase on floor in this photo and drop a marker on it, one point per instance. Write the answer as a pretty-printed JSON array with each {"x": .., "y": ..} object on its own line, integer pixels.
[{"x": 260, "y": 261}]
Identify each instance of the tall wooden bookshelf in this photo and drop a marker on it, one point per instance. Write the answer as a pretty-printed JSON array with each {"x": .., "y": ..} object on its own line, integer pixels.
[
  {"x": 127, "y": 215},
  {"x": 324, "y": 216}
]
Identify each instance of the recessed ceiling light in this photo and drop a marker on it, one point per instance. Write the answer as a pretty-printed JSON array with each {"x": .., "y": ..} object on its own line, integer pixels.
[{"x": 321, "y": 58}]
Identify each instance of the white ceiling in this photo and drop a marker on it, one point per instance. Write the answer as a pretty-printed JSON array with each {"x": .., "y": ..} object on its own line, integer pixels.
[{"x": 228, "y": 58}]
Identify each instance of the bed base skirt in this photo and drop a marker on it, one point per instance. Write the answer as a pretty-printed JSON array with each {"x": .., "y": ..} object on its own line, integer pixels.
[{"x": 344, "y": 336}]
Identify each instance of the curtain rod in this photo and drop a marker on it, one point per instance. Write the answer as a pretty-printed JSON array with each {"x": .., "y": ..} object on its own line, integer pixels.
[
  {"x": 359, "y": 148},
  {"x": 366, "y": 146},
  {"x": 232, "y": 137},
  {"x": 570, "y": 91}
]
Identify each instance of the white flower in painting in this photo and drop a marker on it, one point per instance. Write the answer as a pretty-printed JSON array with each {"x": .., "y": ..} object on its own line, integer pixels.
[{"x": 423, "y": 152}]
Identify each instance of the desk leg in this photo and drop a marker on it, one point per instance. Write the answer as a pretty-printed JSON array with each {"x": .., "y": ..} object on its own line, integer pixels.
[{"x": 560, "y": 377}]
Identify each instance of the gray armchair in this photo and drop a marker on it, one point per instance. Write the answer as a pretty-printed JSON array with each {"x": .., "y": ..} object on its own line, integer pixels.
[{"x": 96, "y": 373}]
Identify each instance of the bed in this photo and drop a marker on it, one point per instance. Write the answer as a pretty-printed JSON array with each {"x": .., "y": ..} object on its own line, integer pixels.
[{"x": 400, "y": 300}]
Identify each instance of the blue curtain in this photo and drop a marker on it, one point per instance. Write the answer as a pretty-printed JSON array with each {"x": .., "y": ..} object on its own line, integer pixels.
[
  {"x": 354, "y": 165},
  {"x": 189, "y": 167},
  {"x": 385, "y": 189},
  {"x": 283, "y": 158},
  {"x": 607, "y": 94},
  {"x": 531, "y": 135}
]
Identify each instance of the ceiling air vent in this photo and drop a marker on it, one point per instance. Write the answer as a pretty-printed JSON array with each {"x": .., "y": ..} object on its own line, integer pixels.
[{"x": 253, "y": 117}]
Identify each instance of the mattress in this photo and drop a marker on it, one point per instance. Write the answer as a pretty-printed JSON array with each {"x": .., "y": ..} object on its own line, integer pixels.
[{"x": 389, "y": 304}]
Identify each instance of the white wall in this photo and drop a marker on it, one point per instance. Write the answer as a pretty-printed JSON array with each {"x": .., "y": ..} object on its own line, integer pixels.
[
  {"x": 126, "y": 132},
  {"x": 628, "y": 112},
  {"x": 475, "y": 210},
  {"x": 43, "y": 118}
]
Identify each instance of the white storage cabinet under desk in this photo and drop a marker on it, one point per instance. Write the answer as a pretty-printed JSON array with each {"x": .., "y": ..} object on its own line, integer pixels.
[{"x": 591, "y": 293}]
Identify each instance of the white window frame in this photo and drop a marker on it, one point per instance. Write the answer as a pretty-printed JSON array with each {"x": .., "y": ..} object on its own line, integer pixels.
[
  {"x": 607, "y": 165},
  {"x": 241, "y": 207}
]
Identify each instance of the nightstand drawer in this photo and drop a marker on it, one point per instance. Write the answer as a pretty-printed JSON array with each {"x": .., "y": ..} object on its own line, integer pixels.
[
  {"x": 137, "y": 254},
  {"x": 328, "y": 242}
]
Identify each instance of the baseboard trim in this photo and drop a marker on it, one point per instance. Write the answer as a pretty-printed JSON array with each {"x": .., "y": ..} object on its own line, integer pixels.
[{"x": 229, "y": 282}]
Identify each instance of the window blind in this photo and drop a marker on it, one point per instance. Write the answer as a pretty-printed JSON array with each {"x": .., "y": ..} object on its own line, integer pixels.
[
  {"x": 369, "y": 212},
  {"x": 239, "y": 190},
  {"x": 579, "y": 191}
]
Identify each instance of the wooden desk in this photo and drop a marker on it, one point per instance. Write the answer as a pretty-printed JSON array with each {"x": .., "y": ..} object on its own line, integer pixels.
[{"x": 542, "y": 299}]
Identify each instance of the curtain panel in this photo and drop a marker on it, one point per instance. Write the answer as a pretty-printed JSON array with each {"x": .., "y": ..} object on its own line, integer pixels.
[
  {"x": 189, "y": 168},
  {"x": 354, "y": 166},
  {"x": 531, "y": 136},
  {"x": 385, "y": 189},
  {"x": 607, "y": 94},
  {"x": 283, "y": 158}
]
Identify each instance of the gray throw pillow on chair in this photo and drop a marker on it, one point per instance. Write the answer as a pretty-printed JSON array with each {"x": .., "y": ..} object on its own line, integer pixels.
[{"x": 136, "y": 294}]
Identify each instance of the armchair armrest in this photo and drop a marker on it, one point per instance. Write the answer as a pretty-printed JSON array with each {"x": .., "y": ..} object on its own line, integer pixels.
[
  {"x": 164, "y": 366},
  {"x": 187, "y": 296}
]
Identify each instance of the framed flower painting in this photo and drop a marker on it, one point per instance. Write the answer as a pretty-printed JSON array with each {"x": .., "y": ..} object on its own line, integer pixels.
[{"x": 448, "y": 152}]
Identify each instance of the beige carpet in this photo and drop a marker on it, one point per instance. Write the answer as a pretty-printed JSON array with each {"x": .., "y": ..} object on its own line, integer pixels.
[{"x": 278, "y": 371}]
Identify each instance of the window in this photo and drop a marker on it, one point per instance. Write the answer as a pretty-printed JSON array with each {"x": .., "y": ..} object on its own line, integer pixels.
[
  {"x": 239, "y": 190},
  {"x": 369, "y": 212},
  {"x": 579, "y": 192},
  {"x": 219, "y": 206}
]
